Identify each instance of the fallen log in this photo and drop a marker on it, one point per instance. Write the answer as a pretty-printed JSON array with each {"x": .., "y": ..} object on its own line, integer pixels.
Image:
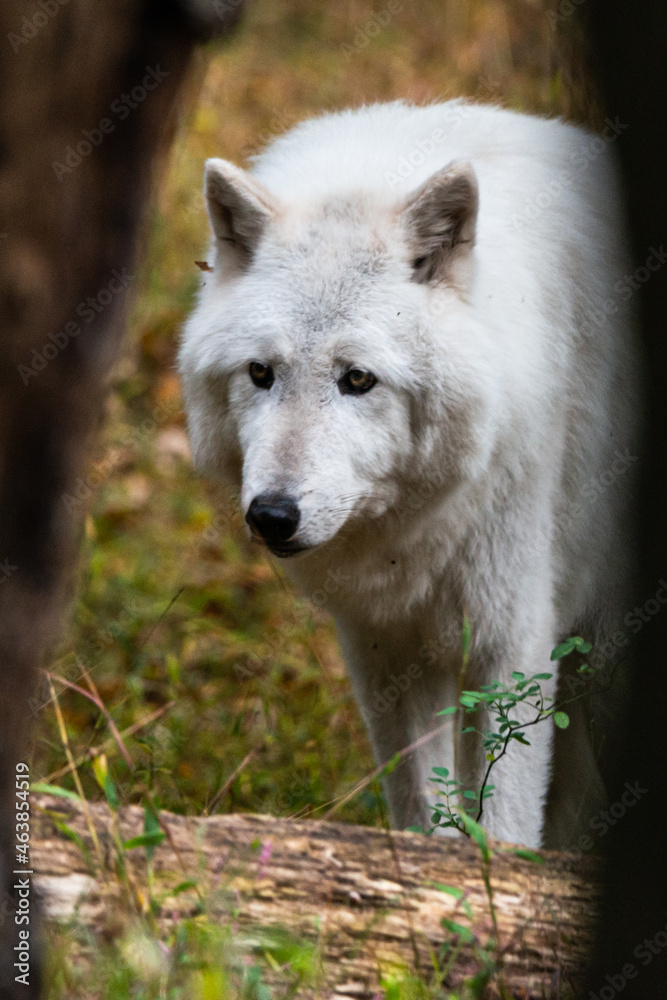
[{"x": 369, "y": 897}]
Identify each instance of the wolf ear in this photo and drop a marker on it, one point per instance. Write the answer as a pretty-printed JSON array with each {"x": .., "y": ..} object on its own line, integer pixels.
[
  {"x": 441, "y": 217},
  {"x": 238, "y": 206}
]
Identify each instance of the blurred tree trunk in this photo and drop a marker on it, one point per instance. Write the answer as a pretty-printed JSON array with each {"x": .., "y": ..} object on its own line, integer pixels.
[
  {"x": 630, "y": 42},
  {"x": 575, "y": 61},
  {"x": 88, "y": 100}
]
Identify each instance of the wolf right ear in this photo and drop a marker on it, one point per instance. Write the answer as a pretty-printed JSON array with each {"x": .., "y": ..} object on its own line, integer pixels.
[
  {"x": 441, "y": 219},
  {"x": 239, "y": 207}
]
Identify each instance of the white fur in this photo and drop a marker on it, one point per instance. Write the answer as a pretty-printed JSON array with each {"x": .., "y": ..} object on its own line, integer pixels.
[{"x": 457, "y": 484}]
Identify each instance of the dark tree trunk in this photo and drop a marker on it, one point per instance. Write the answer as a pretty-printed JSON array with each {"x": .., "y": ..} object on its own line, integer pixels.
[
  {"x": 66, "y": 234},
  {"x": 630, "y": 42}
]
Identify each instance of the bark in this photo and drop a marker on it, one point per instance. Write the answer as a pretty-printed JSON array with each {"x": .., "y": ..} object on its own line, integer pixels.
[
  {"x": 66, "y": 233},
  {"x": 371, "y": 893}
]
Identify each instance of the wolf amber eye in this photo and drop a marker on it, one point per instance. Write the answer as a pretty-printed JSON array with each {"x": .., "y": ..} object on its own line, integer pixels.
[
  {"x": 262, "y": 375},
  {"x": 356, "y": 382}
]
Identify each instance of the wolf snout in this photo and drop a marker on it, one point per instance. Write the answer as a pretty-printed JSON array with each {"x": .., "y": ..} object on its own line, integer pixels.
[{"x": 273, "y": 518}]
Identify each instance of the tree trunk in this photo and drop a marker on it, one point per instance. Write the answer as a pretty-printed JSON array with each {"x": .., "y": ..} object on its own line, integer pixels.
[
  {"x": 87, "y": 111},
  {"x": 629, "y": 41},
  {"x": 368, "y": 896}
]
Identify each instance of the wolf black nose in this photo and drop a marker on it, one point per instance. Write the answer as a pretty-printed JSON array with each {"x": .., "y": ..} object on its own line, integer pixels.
[{"x": 273, "y": 518}]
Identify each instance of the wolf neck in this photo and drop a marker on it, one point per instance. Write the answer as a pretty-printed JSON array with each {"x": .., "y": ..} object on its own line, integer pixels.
[{"x": 384, "y": 568}]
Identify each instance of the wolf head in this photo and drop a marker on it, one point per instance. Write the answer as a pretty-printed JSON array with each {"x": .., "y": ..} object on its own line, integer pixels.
[{"x": 333, "y": 360}]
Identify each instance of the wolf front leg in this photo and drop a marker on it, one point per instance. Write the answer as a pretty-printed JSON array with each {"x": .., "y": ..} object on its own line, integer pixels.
[
  {"x": 512, "y": 630},
  {"x": 399, "y": 693}
]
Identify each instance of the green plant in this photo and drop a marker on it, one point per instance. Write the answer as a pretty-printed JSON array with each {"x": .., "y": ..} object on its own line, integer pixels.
[{"x": 499, "y": 701}]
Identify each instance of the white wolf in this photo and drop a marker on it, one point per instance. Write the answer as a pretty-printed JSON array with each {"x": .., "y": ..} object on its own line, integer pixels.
[{"x": 415, "y": 358}]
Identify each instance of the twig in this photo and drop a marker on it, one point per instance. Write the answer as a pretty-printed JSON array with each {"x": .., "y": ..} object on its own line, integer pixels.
[
  {"x": 378, "y": 771},
  {"x": 109, "y": 743},
  {"x": 93, "y": 696},
  {"x": 232, "y": 777},
  {"x": 75, "y": 773}
]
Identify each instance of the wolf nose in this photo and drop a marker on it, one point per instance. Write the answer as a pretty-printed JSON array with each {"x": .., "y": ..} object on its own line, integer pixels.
[{"x": 273, "y": 518}]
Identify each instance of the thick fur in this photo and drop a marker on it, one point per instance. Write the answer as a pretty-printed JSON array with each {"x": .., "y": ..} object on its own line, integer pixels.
[{"x": 468, "y": 257}]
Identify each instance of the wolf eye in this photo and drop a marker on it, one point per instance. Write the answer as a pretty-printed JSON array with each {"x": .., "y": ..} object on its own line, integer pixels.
[
  {"x": 356, "y": 382},
  {"x": 262, "y": 375}
]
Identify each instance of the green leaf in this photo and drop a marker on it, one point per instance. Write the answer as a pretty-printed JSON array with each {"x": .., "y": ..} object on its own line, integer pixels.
[
  {"x": 451, "y": 890},
  {"x": 464, "y": 933},
  {"x": 468, "y": 729},
  {"x": 152, "y": 830},
  {"x": 541, "y": 677},
  {"x": 523, "y": 852},
  {"x": 562, "y": 719},
  {"x": 105, "y": 781},
  {"x": 43, "y": 788},
  {"x": 67, "y": 831},
  {"x": 145, "y": 840},
  {"x": 442, "y": 772},
  {"x": 457, "y": 893},
  {"x": 564, "y": 649},
  {"x": 468, "y": 794},
  {"x": 183, "y": 887},
  {"x": 474, "y": 830},
  {"x": 466, "y": 637},
  {"x": 517, "y": 675},
  {"x": 393, "y": 764},
  {"x": 448, "y": 711},
  {"x": 468, "y": 701}
]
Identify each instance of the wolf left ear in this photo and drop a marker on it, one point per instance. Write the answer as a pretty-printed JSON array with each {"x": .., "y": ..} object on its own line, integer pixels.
[
  {"x": 441, "y": 218},
  {"x": 239, "y": 207}
]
